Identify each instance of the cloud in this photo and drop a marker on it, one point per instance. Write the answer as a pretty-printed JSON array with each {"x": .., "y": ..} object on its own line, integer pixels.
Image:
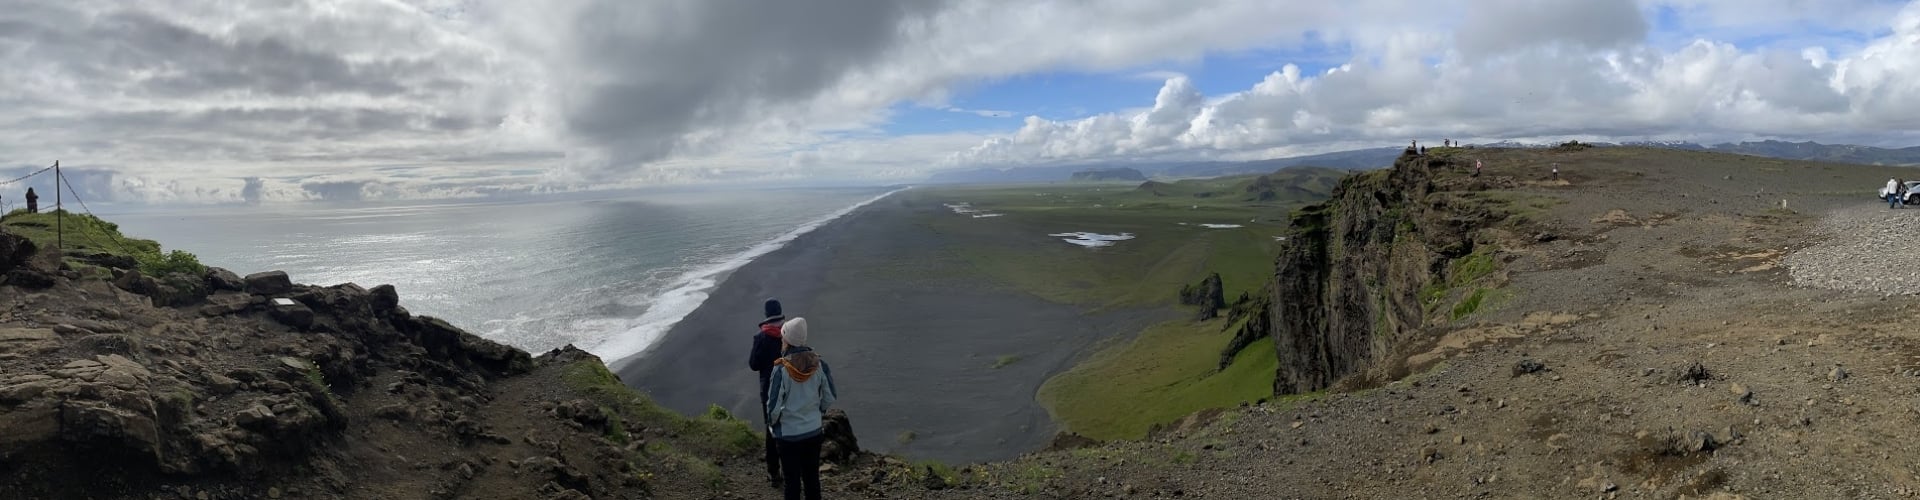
[
  {"x": 989, "y": 113},
  {"x": 210, "y": 101},
  {"x": 1498, "y": 26},
  {"x": 1561, "y": 82}
]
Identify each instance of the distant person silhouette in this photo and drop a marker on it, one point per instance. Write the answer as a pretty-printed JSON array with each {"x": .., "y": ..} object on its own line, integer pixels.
[
  {"x": 766, "y": 349},
  {"x": 33, "y": 202},
  {"x": 799, "y": 397}
]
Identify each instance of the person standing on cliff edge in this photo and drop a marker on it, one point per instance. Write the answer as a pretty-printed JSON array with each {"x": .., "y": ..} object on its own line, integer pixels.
[
  {"x": 766, "y": 349},
  {"x": 798, "y": 399}
]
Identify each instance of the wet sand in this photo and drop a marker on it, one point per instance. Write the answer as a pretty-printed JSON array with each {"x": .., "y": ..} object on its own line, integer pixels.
[{"x": 911, "y": 330}]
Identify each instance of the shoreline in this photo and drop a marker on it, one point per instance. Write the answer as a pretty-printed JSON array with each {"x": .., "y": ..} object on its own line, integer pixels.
[
  {"x": 916, "y": 337},
  {"x": 657, "y": 321}
]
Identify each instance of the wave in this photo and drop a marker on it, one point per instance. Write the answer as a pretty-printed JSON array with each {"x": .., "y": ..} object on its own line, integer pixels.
[{"x": 686, "y": 292}]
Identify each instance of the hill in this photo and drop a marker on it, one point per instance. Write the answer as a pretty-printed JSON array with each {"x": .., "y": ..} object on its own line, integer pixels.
[
  {"x": 1287, "y": 184},
  {"x": 1108, "y": 175},
  {"x": 1838, "y": 153}
]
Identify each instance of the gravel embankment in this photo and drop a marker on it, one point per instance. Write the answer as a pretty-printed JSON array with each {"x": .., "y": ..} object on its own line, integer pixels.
[{"x": 1867, "y": 250}]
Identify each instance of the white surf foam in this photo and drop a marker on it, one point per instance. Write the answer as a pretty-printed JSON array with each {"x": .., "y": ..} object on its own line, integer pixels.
[
  {"x": 1092, "y": 240},
  {"x": 1220, "y": 226},
  {"x": 688, "y": 291}
]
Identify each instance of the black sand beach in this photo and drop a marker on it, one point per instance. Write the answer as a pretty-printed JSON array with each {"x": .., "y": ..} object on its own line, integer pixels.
[{"x": 912, "y": 332}]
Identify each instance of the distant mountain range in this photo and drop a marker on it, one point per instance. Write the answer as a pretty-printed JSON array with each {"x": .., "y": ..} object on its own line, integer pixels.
[
  {"x": 1810, "y": 151},
  {"x": 1361, "y": 159}
]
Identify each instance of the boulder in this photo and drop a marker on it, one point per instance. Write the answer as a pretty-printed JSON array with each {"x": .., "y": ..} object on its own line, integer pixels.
[
  {"x": 385, "y": 299},
  {"x": 179, "y": 290},
  {"x": 444, "y": 341},
  {"x": 28, "y": 278},
  {"x": 15, "y": 251},
  {"x": 840, "y": 445},
  {"x": 296, "y": 315},
  {"x": 134, "y": 281},
  {"x": 227, "y": 303},
  {"x": 219, "y": 279},
  {"x": 269, "y": 283}
]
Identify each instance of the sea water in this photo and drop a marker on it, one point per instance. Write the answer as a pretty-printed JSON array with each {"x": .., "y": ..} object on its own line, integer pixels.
[{"x": 608, "y": 275}]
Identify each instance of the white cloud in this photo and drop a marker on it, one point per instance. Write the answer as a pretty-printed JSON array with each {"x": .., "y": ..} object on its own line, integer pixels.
[
  {"x": 1594, "y": 83},
  {"x": 187, "y": 100}
]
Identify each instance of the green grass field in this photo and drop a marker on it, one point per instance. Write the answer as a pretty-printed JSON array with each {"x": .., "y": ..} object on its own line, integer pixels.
[
  {"x": 85, "y": 234},
  {"x": 1164, "y": 374},
  {"x": 1168, "y": 370}
]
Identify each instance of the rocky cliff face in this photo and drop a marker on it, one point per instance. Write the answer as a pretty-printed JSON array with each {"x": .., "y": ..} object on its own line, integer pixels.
[
  {"x": 1348, "y": 282},
  {"x": 258, "y": 387}
]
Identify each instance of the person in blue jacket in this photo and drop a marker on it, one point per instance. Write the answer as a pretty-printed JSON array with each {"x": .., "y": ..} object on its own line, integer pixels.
[
  {"x": 799, "y": 395},
  {"x": 766, "y": 349}
]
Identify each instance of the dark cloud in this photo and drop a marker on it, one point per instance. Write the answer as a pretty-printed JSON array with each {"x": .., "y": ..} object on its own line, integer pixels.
[
  {"x": 166, "y": 59},
  {"x": 337, "y": 190},
  {"x": 1496, "y": 26},
  {"x": 666, "y": 70},
  {"x": 251, "y": 193}
]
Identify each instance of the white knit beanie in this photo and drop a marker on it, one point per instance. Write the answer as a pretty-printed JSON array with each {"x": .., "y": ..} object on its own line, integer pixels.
[{"x": 794, "y": 331}]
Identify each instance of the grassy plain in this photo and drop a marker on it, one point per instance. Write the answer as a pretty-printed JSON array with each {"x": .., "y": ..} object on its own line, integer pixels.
[{"x": 1167, "y": 370}]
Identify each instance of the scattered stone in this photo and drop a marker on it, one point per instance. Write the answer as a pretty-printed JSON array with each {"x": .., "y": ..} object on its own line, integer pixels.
[
  {"x": 1837, "y": 374},
  {"x": 1694, "y": 373},
  {"x": 1528, "y": 366}
]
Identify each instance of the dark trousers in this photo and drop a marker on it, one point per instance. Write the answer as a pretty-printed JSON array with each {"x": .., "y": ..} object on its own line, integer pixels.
[
  {"x": 773, "y": 458},
  {"x": 801, "y": 460}
]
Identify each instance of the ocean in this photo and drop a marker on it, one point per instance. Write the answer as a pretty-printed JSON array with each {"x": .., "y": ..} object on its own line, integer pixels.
[{"x": 607, "y": 275}]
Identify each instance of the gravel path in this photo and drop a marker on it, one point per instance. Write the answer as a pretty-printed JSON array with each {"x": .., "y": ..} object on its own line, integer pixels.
[{"x": 1868, "y": 249}]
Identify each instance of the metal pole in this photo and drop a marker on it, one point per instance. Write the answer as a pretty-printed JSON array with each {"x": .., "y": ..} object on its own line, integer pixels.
[{"x": 59, "y": 216}]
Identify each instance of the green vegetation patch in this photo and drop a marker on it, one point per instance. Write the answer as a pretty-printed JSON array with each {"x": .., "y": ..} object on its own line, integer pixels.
[
  {"x": 715, "y": 434},
  {"x": 1165, "y": 374},
  {"x": 1470, "y": 304},
  {"x": 86, "y": 234}
]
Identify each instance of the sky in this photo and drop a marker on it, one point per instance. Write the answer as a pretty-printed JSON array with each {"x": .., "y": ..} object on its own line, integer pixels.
[{"x": 215, "y": 101}]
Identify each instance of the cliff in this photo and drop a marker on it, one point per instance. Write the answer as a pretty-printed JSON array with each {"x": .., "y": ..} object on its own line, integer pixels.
[
  {"x": 124, "y": 386},
  {"x": 1359, "y": 276}
]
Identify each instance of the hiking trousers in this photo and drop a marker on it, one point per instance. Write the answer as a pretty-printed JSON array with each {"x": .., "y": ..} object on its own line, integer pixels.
[{"x": 801, "y": 461}]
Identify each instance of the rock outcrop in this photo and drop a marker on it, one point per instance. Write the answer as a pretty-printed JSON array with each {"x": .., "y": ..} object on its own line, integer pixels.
[
  {"x": 214, "y": 386},
  {"x": 1209, "y": 295},
  {"x": 1347, "y": 283}
]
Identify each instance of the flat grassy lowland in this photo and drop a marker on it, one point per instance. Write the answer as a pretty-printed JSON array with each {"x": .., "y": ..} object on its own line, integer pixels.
[{"x": 1181, "y": 231}]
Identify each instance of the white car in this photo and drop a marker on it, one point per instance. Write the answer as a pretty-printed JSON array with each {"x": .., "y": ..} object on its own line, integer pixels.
[{"x": 1913, "y": 193}]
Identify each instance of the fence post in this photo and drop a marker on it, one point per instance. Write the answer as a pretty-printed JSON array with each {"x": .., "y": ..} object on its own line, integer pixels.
[{"x": 59, "y": 214}]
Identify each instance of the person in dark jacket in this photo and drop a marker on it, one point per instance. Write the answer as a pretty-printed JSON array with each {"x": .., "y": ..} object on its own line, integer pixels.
[{"x": 766, "y": 349}]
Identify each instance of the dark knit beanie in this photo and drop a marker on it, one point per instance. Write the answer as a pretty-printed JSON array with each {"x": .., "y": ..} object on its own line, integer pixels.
[{"x": 773, "y": 308}]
